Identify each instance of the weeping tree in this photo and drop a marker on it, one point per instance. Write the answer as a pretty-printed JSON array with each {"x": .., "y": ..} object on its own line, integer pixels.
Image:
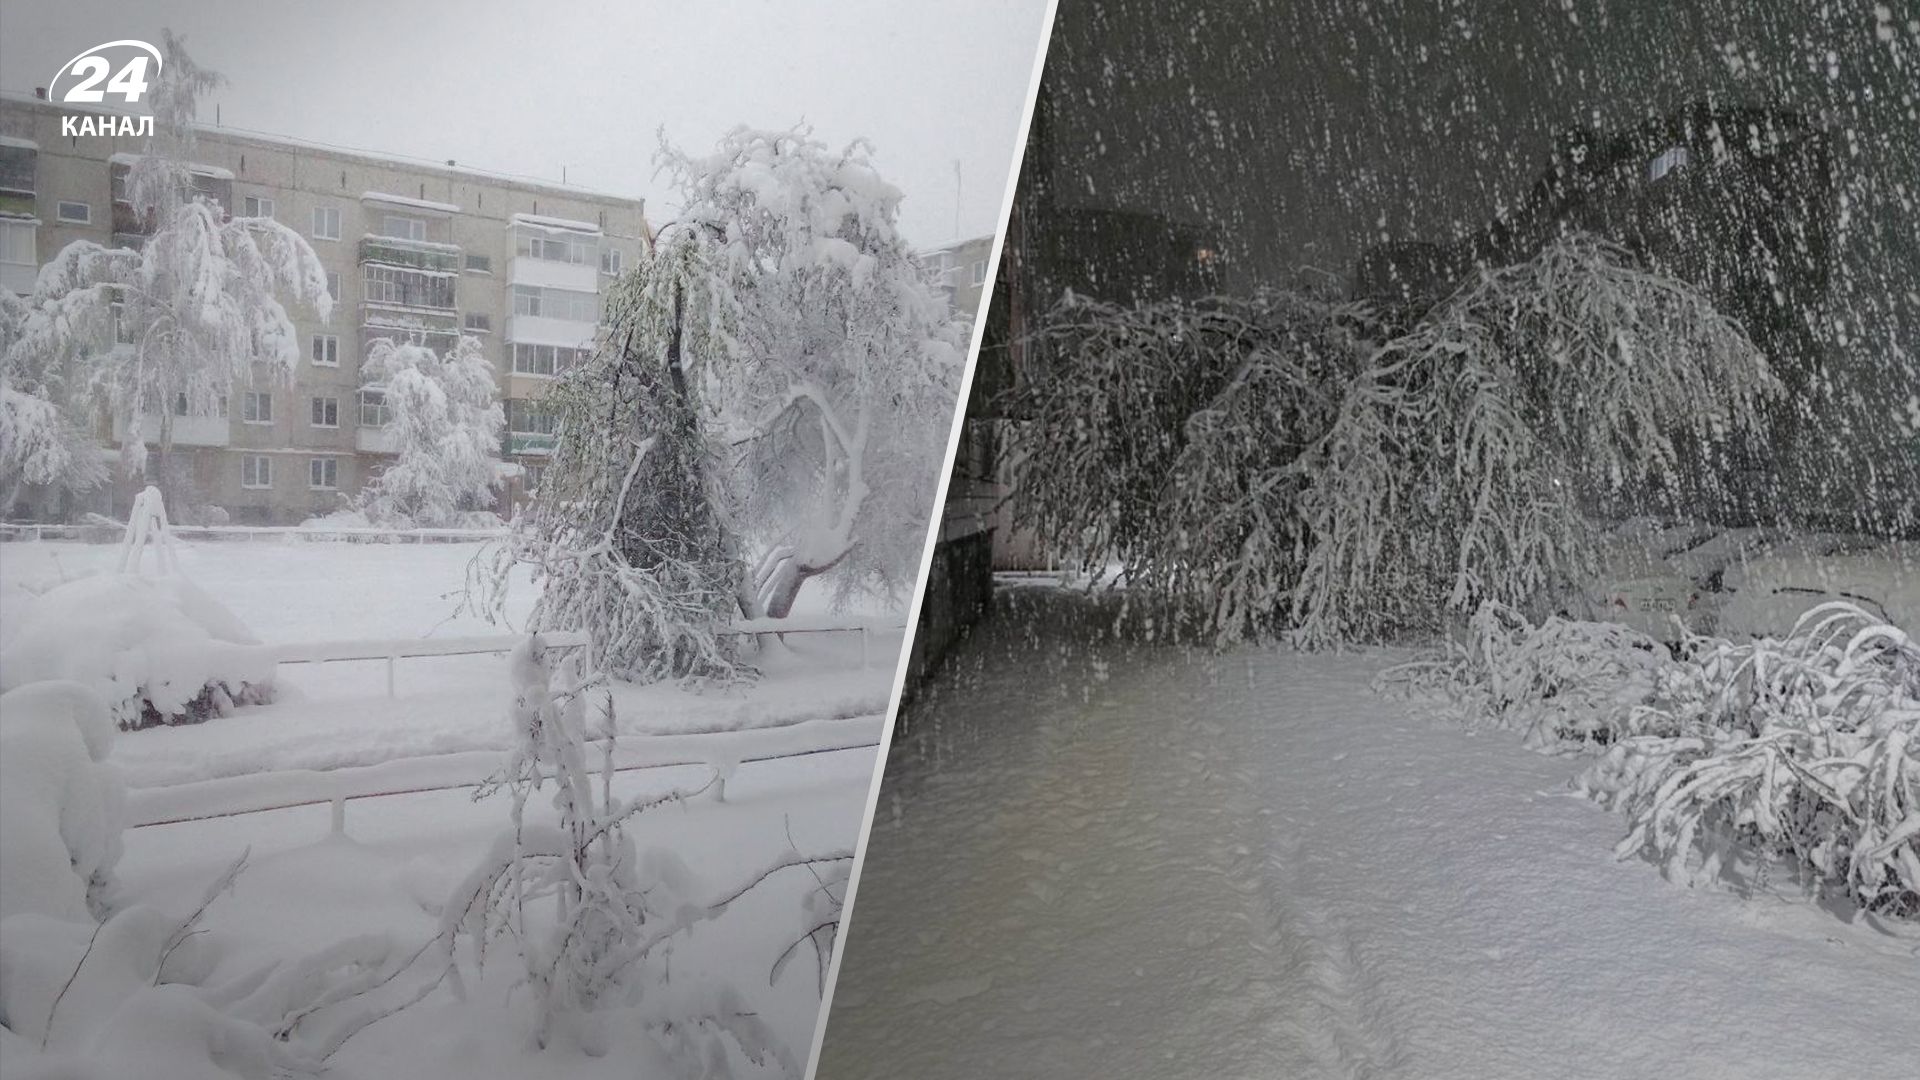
[
  {"x": 1466, "y": 458},
  {"x": 446, "y": 424},
  {"x": 43, "y": 440},
  {"x": 843, "y": 369},
  {"x": 1162, "y": 436},
  {"x": 629, "y": 539}
]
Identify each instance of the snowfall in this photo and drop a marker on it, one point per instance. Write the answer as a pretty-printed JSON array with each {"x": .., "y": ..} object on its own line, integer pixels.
[
  {"x": 1102, "y": 858},
  {"x": 794, "y": 750}
]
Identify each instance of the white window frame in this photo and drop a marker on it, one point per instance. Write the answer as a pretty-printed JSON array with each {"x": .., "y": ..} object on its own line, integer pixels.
[
  {"x": 326, "y": 223},
  {"x": 257, "y": 408},
  {"x": 1667, "y": 162},
  {"x": 324, "y": 350},
  {"x": 380, "y": 409},
  {"x": 323, "y": 474},
  {"x": 256, "y": 206},
  {"x": 610, "y": 261},
  {"x": 318, "y": 407},
  {"x": 256, "y": 472},
  {"x": 485, "y": 265},
  {"x": 414, "y": 228},
  {"x": 31, "y": 232},
  {"x": 86, "y": 212},
  {"x": 484, "y": 326}
]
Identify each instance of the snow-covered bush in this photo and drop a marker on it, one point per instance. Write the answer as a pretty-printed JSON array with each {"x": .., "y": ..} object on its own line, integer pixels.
[
  {"x": 445, "y": 423},
  {"x": 1466, "y": 457},
  {"x": 60, "y": 806},
  {"x": 1805, "y": 748},
  {"x": 1164, "y": 436},
  {"x": 158, "y": 650},
  {"x": 1562, "y": 682}
]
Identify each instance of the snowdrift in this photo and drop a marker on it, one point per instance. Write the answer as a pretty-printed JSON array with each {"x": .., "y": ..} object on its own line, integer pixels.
[
  {"x": 60, "y": 807},
  {"x": 159, "y": 651}
]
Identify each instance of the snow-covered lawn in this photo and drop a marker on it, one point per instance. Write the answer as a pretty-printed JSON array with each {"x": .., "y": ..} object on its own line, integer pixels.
[
  {"x": 792, "y": 753},
  {"x": 1103, "y": 859},
  {"x": 336, "y": 715}
]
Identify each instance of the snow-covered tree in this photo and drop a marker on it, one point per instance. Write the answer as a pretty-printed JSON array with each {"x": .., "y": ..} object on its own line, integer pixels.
[
  {"x": 1163, "y": 436},
  {"x": 842, "y": 365},
  {"x": 1465, "y": 457},
  {"x": 445, "y": 419},
  {"x": 178, "y": 322},
  {"x": 627, "y": 536}
]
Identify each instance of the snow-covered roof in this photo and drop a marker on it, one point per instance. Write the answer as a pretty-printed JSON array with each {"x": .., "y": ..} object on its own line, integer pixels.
[
  {"x": 18, "y": 143},
  {"x": 411, "y": 244},
  {"x": 19, "y": 219},
  {"x": 541, "y": 221},
  {"x": 415, "y": 204},
  {"x": 195, "y": 168}
]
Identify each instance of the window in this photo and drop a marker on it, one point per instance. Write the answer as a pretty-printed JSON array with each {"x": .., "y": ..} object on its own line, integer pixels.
[
  {"x": 123, "y": 328},
  {"x": 528, "y": 418},
  {"x": 408, "y": 288},
  {"x": 326, "y": 412},
  {"x": 257, "y": 407},
  {"x": 323, "y": 473},
  {"x": 256, "y": 471},
  {"x": 76, "y": 213},
  {"x": 566, "y": 249},
  {"x": 404, "y": 228},
  {"x": 333, "y": 284},
  {"x": 555, "y": 303},
  {"x": 373, "y": 409},
  {"x": 1668, "y": 160},
  {"x": 544, "y": 359},
  {"x": 326, "y": 223},
  {"x": 16, "y": 168},
  {"x": 256, "y": 206},
  {"x": 534, "y": 474},
  {"x": 16, "y": 244},
  {"x": 326, "y": 350},
  {"x": 610, "y": 261},
  {"x": 980, "y": 272},
  {"x": 478, "y": 321},
  {"x": 180, "y": 406},
  {"x": 480, "y": 264}
]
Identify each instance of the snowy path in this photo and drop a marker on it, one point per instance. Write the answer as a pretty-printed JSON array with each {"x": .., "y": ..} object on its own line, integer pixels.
[{"x": 1135, "y": 862}]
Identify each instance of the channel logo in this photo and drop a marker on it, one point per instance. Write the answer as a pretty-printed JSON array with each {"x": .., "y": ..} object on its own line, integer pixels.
[{"x": 121, "y": 70}]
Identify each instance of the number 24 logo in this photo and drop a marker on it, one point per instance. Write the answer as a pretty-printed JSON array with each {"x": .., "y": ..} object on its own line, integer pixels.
[{"x": 92, "y": 69}]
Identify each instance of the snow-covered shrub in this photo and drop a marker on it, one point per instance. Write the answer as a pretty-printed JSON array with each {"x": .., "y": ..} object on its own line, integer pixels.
[
  {"x": 1805, "y": 748},
  {"x": 60, "y": 806},
  {"x": 1164, "y": 436},
  {"x": 1562, "y": 681},
  {"x": 1466, "y": 457},
  {"x": 626, "y": 537},
  {"x": 445, "y": 423},
  {"x": 158, "y": 650}
]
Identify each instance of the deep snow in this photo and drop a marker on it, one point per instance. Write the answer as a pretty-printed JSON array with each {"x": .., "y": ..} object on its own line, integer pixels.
[{"x": 1126, "y": 860}]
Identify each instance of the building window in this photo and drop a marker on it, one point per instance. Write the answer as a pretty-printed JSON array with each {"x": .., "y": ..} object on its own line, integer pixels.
[
  {"x": 16, "y": 244},
  {"x": 326, "y": 412},
  {"x": 180, "y": 405},
  {"x": 544, "y": 359},
  {"x": 256, "y": 471},
  {"x": 326, "y": 350},
  {"x": 401, "y": 227},
  {"x": 16, "y": 168},
  {"x": 610, "y": 261},
  {"x": 257, "y": 407},
  {"x": 534, "y": 474},
  {"x": 408, "y": 288},
  {"x": 75, "y": 213},
  {"x": 256, "y": 206},
  {"x": 555, "y": 303},
  {"x": 528, "y": 418},
  {"x": 479, "y": 322},
  {"x": 333, "y": 284},
  {"x": 1668, "y": 160},
  {"x": 323, "y": 473},
  {"x": 480, "y": 264},
  {"x": 373, "y": 409},
  {"x": 566, "y": 249},
  {"x": 980, "y": 272},
  {"x": 326, "y": 223}
]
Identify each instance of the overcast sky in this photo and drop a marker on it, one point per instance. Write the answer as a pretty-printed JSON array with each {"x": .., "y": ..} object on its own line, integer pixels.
[{"x": 528, "y": 88}]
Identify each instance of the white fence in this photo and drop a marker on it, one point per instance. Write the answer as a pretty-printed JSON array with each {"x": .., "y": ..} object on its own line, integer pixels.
[{"x": 109, "y": 532}]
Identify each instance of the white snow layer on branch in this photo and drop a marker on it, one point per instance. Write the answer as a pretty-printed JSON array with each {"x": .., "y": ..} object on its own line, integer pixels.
[{"x": 445, "y": 421}]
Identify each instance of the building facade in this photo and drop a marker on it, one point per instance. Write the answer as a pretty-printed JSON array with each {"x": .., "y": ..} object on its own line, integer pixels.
[
  {"x": 959, "y": 271},
  {"x": 413, "y": 251}
]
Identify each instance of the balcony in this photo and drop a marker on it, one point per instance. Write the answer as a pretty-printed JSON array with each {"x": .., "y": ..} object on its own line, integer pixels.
[
  {"x": 410, "y": 254},
  {"x": 376, "y": 440},
  {"x": 528, "y": 442},
  {"x": 187, "y": 430},
  {"x": 551, "y": 274},
  {"x": 541, "y": 330}
]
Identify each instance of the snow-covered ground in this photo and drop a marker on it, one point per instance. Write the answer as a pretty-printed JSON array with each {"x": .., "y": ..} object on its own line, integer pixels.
[
  {"x": 338, "y": 715},
  {"x": 332, "y": 728},
  {"x": 1119, "y": 860}
]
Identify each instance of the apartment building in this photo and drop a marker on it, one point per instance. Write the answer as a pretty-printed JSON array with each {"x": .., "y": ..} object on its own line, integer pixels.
[
  {"x": 959, "y": 271},
  {"x": 413, "y": 251}
]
